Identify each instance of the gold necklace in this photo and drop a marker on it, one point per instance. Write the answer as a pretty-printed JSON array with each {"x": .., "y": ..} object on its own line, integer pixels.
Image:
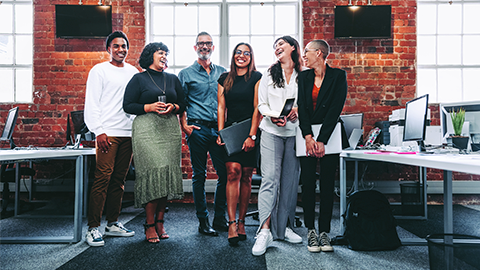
[{"x": 164, "y": 82}]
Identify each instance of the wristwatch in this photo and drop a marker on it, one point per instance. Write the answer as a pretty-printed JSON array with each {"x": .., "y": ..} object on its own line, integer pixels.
[{"x": 253, "y": 137}]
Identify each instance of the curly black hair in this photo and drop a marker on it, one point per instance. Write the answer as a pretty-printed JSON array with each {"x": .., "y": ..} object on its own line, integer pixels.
[
  {"x": 275, "y": 70},
  {"x": 146, "y": 57},
  {"x": 114, "y": 35}
]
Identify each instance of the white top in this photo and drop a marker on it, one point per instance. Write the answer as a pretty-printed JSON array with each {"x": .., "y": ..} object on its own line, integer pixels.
[
  {"x": 271, "y": 99},
  {"x": 104, "y": 100}
]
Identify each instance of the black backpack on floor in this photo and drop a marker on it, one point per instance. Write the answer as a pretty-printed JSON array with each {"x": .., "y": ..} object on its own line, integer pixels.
[{"x": 369, "y": 222}]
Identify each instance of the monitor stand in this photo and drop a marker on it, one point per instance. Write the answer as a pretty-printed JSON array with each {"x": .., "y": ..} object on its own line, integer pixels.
[{"x": 421, "y": 147}]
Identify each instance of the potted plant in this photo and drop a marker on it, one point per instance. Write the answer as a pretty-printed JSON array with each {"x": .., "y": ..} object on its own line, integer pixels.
[{"x": 458, "y": 118}]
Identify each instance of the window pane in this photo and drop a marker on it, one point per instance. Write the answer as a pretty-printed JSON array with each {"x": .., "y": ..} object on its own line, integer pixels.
[
  {"x": 236, "y": 1},
  {"x": 23, "y": 19},
  {"x": 471, "y": 53},
  {"x": 426, "y": 19},
  {"x": 216, "y": 52},
  {"x": 449, "y": 19},
  {"x": 471, "y": 88},
  {"x": 162, "y": 20},
  {"x": 6, "y": 49},
  {"x": 24, "y": 85},
  {"x": 449, "y": 50},
  {"x": 210, "y": 19},
  {"x": 6, "y": 77},
  {"x": 471, "y": 18},
  {"x": 186, "y": 20},
  {"x": 427, "y": 84},
  {"x": 262, "y": 20},
  {"x": 285, "y": 23},
  {"x": 24, "y": 50},
  {"x": 184, "y": 52},
  {"x": 264, "y": 54},
  {"x": 6, "y": 18},
  {"x": 238, "y": 14},
  {"x": 449, "y": 85},
  {"x": 426, "y": 52}
]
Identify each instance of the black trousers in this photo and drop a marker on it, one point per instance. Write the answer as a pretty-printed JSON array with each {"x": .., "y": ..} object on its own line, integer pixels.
[{"x": 308, "y": 178}]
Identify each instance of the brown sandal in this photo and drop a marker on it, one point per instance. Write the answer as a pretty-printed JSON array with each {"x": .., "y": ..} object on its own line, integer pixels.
[
  {"x": 162, "y": 235},
  {"x": 152, "y": 240}
]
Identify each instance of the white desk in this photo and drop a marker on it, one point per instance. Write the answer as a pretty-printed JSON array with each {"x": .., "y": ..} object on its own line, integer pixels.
[
  {"x": 9, "y": 156},
  {"x": 446, "y": 162}
]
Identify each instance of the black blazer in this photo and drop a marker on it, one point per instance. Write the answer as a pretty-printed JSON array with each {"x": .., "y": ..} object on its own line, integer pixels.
[{"x": 330, "y": 102}]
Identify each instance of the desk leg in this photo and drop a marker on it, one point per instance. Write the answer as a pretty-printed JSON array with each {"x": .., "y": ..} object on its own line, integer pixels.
[
  {"x": 77, "y": 223},
  {"x": 448, "y": 218},
  {"x": 447, "y": 202},
  {"x": 343, "y": 192},
  {"x": 85, "y": 185},
  {"x": 16, "y": 209}
]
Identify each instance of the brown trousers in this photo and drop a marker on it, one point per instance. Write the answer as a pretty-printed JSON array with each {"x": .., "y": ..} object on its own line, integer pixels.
[{"x": 110, "y": 172}]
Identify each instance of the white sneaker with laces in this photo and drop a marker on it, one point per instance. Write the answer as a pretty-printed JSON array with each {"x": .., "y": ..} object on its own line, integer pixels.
[
  {"x": 118, "y": 229},
  {"x": 94, "y": 238},
  {"x": 325, "y": 242},
  {"x": 292, "y": 237},
  {"x": 264, "y": 239}
]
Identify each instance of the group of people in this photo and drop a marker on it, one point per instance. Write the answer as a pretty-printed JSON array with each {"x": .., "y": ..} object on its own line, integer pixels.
[{"x": 137, "y": 113}]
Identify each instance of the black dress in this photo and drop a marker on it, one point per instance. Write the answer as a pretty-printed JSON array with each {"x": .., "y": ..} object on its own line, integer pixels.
[{"x": 239, "y": 106}]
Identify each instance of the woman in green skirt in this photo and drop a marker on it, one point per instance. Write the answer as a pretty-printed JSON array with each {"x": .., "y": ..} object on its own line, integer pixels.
[{"x": 155, "y": 97}]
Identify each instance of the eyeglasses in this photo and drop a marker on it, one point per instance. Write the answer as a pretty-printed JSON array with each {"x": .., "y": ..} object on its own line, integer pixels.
[
  {"x": 245, "y": 53},
  {"x": 207, "y": 43},
  {"x": 309, "y": 50}
]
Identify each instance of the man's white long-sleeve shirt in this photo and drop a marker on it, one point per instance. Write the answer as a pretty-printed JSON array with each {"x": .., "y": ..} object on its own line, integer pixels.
[{"x": 103, "y": 111}]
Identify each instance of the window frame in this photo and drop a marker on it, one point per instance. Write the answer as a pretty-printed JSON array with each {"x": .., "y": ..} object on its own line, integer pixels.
[
  {"x": 222, "y": 46},
  {"x": 15, "y": 66},
  {"x": 438, "y": 68}
]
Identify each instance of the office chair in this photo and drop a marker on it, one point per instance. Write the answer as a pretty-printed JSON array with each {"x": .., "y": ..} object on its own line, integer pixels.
[{"x": 7, "y": 175}]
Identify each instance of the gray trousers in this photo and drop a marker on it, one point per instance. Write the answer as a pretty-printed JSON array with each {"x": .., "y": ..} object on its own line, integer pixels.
[{"x": 280, "y": 170}]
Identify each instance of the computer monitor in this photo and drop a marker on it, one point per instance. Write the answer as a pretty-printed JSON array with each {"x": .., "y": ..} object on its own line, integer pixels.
[
  {"x": 10, "y": 126},
  {"x": 80, "y": 128},
  {"x": 416, "y": 121},
  {"x": 351, "y": 122}
]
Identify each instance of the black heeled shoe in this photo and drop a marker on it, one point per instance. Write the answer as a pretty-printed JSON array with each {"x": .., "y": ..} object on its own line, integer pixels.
[
  {"x": 161, "y": 235},
  {"x": 151, "y": 239},
  {"x": 242, "y": 237},
  {"x": 233, "y": 240}
]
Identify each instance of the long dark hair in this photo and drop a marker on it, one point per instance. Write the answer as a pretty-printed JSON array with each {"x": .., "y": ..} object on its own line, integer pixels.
[
  {"x": 275, "y": 70},
  {"x": 228, "y": 84}
]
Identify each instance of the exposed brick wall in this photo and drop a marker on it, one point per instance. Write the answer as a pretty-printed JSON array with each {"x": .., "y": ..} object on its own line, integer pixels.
[{"x": 381, "y": 72}]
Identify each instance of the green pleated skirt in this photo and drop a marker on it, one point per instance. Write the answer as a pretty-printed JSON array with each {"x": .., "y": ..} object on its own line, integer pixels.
[{"x": 157, "y": 151}]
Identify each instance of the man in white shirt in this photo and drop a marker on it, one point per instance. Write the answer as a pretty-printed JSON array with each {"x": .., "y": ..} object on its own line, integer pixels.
[{"x": 105, "y": 117}]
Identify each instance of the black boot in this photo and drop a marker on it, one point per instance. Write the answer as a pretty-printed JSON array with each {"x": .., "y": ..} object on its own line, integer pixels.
[
  {"x": 204, "y": 227},
  {"x": 220, "y": 224}
]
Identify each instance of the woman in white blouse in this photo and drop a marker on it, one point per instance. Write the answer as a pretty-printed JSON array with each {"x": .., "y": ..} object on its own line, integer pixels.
[{"x": 280, "y": 168}]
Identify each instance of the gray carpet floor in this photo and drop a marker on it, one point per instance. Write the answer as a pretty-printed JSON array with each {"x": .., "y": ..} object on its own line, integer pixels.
[{"x": 187, "y": 249}]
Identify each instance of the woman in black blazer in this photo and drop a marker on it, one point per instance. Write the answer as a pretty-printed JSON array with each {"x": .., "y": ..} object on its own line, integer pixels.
[{"x": 322, "y": 92}]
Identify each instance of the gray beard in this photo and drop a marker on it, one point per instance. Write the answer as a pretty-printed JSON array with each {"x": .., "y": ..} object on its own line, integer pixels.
[{"x": 204, "y": 56}]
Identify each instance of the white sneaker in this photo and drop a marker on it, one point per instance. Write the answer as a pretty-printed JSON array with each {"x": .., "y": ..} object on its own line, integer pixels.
[
  {"x": 118, "y": 229},
  {"x": 264, "y": 239},
  {"x": 325, "y": 242},
  {"x": 292, "y": 237},
  {"x": 94, "y": 238}
]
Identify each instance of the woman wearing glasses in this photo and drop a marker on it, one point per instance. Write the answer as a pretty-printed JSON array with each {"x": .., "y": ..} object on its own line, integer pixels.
[
  {"x": 277, "y": 196},
  {"x": 237, "y": 100},
  {"x": 155, "y": 97}
]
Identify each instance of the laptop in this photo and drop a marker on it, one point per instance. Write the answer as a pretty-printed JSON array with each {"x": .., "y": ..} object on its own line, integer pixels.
[
  {"x": 235, "y": 135},
  {"x": 354, "y": 138}
]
